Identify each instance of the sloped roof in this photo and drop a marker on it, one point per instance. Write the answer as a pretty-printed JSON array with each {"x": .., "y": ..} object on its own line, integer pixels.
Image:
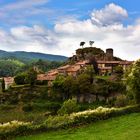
[
  {"x": 52, "y": 72},
  {"x": 126, "y": 62},
  {"x": 43, "y": 77},
  {"x": 82, "y": 62},
  {"x": 64, "y": 67},
  {"x": 108, "y": 62},
  {"x": 115, "y": 62},
  {"x": 73, "y": 68}
]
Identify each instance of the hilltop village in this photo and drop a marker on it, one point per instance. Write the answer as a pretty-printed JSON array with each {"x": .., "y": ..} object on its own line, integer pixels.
[{"x": 103, "y": 63}]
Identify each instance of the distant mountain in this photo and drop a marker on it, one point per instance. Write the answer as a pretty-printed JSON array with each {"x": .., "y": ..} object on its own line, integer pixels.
[{"x": 30, "y": 56}]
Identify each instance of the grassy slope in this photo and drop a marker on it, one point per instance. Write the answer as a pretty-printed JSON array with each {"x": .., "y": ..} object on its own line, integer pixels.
[{"x": 120, "y": 128}]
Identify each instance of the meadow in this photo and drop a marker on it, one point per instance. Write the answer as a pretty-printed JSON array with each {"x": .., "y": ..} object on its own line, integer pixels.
[{"x": 119, "y": 128}]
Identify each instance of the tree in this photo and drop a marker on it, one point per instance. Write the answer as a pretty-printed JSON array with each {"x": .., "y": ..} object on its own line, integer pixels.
[
  {"x": 58, "y": 86},
  {"x": 93, "y": 61},
  {"x": 91, "y": 43},
  {"x": 118, "y": 71},
  {"x": 82, "y": 44},
  {"x": 91, "y": 72},
  {"x": 70, "y": 86},
  {"x": 133, "y": 81},
  {"x": 84, "y": 83},
  {"x": 3, "y": 85},
  {"x": 21, "y": 78},
  {"x": 31, "y": 76}
]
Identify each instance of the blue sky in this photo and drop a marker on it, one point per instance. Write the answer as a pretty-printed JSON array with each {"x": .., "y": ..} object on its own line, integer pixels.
[{"x": 57, "y": 26}]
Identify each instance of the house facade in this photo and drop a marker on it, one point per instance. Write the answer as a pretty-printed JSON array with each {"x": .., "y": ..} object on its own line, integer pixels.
[
  {"x": 108, "y": 66},
  {"x": 9, "y": 81}
]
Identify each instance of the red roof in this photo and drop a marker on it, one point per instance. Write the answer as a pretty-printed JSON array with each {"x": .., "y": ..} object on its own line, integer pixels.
[
  {"x": 108, "y": 62},
  {"x": 43, "y": 77},
  {"x": 73, "y": 68},
  {"x": 52, "y": 72},
  {"x": 64, "y": 67},
  {"x": 82, "y": 62},
  {"x": 115, "y": 62}
]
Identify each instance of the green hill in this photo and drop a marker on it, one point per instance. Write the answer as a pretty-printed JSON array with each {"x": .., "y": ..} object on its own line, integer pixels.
[{"x": 30, "y": 56}]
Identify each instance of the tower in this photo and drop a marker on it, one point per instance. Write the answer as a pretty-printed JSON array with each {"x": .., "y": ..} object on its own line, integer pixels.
[{"x": 109, "y": 54}]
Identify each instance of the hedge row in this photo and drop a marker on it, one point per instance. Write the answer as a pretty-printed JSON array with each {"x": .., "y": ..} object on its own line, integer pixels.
[{"x": 65, "y": 121}]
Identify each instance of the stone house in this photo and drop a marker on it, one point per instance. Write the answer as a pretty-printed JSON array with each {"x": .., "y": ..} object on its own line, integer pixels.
[
  {"x": 108, "y": 66},
  {"x": 9, "y": 81}
]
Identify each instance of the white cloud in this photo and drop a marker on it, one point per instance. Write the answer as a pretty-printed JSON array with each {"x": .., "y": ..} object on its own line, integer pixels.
[
  {"x": 25, "y": 38},
  {"x": 111, "y": 14},
  {"x": 18, "y": 11},
  {"x": 64, "y": 39}
]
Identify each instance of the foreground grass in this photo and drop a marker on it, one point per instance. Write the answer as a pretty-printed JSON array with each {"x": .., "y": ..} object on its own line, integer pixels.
[{"x": 120, "y": 128}]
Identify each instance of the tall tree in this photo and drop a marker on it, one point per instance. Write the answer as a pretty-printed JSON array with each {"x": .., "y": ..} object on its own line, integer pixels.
[
  {"x": 91, "y": 72},
  {"x": 82, "y": 43},
  {"x": 32, "y": 76},
  {"x": 93, "y": 61},
  {"x": 91, "y": 43},
  {"x": 133, "y": 81},
  {"x": 3, "y": 85}
]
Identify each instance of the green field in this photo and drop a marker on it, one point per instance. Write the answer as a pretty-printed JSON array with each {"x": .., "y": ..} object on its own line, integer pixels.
[{"x": 120, "y": 128}]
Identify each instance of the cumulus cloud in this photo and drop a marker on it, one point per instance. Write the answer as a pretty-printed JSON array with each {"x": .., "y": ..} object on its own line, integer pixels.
[
  {"x": 122, "y": 39},
  {"x": 36, "y": 38},
  {"x": 111, "y": 14},
  {"x": 64, "y": 39}
]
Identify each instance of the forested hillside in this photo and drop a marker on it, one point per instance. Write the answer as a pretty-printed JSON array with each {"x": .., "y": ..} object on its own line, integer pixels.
[{"x": 16, "y": 62}]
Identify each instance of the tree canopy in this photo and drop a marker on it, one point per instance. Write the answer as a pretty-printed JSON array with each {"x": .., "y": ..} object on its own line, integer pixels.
[{"x": 133, "y": 81}]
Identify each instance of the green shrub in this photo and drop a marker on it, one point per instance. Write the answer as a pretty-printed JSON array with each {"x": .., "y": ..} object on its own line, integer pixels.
[
  {"x": 12, "y": 126},
  {"x": 20, "y": 79},
  {"x": 6, "y": 107},
  {"x": 68, "y": 107},
  {"x": 121, "y": 101},
  {"x": 49, "y": 106},
  {"x": 27, "y": 108},
  {"x": 59, "y": 121},
  {"x": 88, "y": 116}
]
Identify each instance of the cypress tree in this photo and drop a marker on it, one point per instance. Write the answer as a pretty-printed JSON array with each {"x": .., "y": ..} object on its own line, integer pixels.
[{"x": 3, "y": 85}]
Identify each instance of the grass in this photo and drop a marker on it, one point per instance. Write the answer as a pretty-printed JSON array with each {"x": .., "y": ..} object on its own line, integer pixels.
[
  {"x": 103, "y": 77},
  {"x": 119, "y": 128},
  {"x": 15, "y": 112},
  {"x": 10, "y": 115}
]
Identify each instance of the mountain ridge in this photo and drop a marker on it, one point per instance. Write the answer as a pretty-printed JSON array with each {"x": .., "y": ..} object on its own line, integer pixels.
[{"x": 31, "y": 55}]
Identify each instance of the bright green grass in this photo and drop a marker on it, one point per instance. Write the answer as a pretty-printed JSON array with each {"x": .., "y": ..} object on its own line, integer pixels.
[{"x": 120, "y": 128}]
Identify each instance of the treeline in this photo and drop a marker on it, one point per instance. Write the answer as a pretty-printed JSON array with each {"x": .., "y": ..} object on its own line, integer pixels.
[{"x": 12, "y": 67}]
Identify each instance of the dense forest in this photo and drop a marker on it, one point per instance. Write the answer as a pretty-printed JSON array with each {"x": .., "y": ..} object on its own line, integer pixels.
[{"x": 11, "y": 67}]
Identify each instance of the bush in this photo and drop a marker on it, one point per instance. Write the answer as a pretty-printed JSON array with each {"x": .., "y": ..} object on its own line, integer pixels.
[
  {"x": 20, "y": 79},
  {"x": 27, "y": 108},
  {"x": 68, "y": 107},
  {"x": 59, "y": 121},
  {"x": 56, "y": 122},
  {"x": 88, "y": 116},
  {"x": 121, "y": 101},
  {"x": 13, "y": 128},
  {"x": 49, "y": 106},
  {"x": 6, "y": 107}
]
